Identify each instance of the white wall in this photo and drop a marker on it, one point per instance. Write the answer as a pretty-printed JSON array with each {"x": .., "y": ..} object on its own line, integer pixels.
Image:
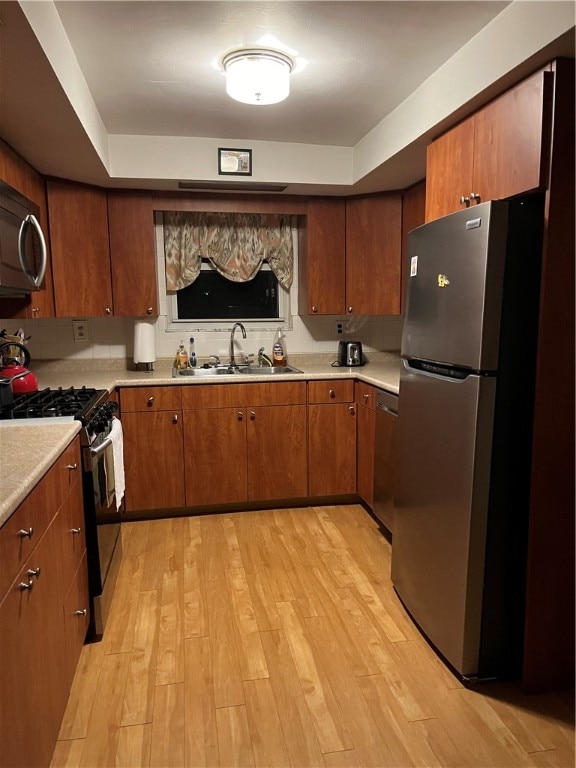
[{"x": 112, "y": 338}]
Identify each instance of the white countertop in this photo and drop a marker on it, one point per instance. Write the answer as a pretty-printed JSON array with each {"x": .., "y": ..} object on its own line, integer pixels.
[{"x": 28, "y": 450}]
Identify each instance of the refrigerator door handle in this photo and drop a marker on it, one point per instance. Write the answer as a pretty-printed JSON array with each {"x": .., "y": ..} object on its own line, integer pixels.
[{"x": 455, "y": 379}]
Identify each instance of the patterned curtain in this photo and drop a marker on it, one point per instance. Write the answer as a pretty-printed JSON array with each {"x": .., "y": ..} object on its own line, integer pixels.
[{"x": 235, "y": 243}]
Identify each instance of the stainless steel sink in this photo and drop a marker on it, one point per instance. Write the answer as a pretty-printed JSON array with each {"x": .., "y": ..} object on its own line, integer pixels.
[
  {"x": 241, "y": 371},
  {"x": 276, "y": 371}
]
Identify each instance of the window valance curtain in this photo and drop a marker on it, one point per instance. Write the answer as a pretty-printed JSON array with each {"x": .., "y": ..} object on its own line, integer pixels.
[{"x": 235, "y": 243}]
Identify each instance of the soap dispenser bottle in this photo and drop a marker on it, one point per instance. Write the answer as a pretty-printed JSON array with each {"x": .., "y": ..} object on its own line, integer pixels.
[
  {"x": 279, "y": 349},
  {"x": 181, "y": 360},
  {"x": 192, "y": 359}
]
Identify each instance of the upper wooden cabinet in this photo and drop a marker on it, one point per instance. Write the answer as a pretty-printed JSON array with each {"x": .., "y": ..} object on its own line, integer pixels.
[
  {"x": 18, "y": 174},
  {"x": 349, "y": 257},
  {"x": 501, "y": 151},
  {"x": 132, "y": 254},
  {"x": 373, "y": 255},
  {"x": 322, "y": 258},
  {"x": 80, "y": 250},
  {"x": 103, "y": 252}
]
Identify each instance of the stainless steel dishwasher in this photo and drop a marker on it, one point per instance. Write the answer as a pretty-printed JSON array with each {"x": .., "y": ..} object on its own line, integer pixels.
[{"x": 385, "y": 461}]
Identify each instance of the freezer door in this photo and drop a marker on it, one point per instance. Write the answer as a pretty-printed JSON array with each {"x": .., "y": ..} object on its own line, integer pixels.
[
  {"x": 445, "y": 434},
  {"x": 455, "y": 288}
]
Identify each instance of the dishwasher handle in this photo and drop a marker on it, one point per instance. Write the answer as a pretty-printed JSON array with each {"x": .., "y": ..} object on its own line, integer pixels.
[{"x": 387, "y": 402}]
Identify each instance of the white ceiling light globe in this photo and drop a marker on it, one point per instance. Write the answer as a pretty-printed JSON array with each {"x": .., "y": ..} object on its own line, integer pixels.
[{"x": 257, "y": 76}]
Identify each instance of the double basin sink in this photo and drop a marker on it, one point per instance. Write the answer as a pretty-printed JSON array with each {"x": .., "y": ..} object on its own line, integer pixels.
[{"x": 242, "y": 370}]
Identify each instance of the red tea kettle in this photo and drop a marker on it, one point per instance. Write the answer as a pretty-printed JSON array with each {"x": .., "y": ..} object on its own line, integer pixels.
[{"x": 23, "y": 380}]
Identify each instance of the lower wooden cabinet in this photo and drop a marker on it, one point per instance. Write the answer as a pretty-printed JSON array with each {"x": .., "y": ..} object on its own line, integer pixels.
[
  {"x": 253, "y": 450},
  {"x": 277, "y": 458},
  {"x": 43, "y": 613},
  {"x": 153, "y": 460},
  {"x": 366, "y": 402},
  {"x": 331, "y": 438},
  {"x": 215, "y": 465}
]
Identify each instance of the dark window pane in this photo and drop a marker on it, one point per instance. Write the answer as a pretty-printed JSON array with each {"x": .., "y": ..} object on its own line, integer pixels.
[{"x": 213, "y": 297}]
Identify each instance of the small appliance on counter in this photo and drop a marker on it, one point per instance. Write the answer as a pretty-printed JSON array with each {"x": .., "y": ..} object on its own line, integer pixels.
[
  {"x": 14, "y": 362},
  {"x": 350, "y": 353}
]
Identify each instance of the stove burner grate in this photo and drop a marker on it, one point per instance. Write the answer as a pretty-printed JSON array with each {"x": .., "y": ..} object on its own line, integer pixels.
[{"x": 52, "y": 403}]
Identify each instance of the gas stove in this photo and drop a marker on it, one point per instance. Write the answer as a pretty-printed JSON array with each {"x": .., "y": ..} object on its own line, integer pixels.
[{"x": 49, "y": 405}]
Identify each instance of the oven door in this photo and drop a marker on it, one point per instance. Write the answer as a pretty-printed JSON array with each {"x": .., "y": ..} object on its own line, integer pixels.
[{"x": 103, "y": 519}]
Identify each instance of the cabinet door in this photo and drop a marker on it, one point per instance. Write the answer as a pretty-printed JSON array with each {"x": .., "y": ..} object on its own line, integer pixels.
[
  {"x": 322, "y": 259},
  {"x": 365, "y": 467},
  {"x": 76, "y": 618},
  {"x": 331, "y": 449},
  {"x": 215, "y": 456},
  {"x": 80, "y": 250},
  {"x": 510, "y": 134},
  {"x": 32, "y": 662},
  {"x": 373, "y": 255},
  {"x": 277, "y": 459},
  {"x": 449, "y": 167},
  {"x": 132, "y": 254},
  {"x": 153, "y": 460}
]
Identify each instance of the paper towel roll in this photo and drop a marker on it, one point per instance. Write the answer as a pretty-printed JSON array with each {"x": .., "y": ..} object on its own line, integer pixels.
[{"x": 144, "y": 341}]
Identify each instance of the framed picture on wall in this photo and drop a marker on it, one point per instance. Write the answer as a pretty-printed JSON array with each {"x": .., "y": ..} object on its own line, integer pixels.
[{"x": 234, "y": 162}]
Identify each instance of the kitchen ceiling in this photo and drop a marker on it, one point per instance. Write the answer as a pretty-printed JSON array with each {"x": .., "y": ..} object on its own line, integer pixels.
[{"x": 152, "y": 70}]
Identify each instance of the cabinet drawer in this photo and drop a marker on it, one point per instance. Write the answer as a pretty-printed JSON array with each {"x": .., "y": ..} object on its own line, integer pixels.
[
  {"x": 214, "y": 396},
  {"x": 331, "y": 391},
  {"x": 24, "y": 529},
  {"x": 150, "y": 399},
  {"x": 365, "y": 394},
  {"x": 284, "y": 393},
  {"x": 69, "y": 530}
]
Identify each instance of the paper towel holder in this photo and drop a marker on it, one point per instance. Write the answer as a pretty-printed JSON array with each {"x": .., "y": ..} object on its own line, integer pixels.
[{"x": 143, "y": 366}]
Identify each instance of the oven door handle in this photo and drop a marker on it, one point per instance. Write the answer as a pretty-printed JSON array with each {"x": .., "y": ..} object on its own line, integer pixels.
[{"x": 102, "y": 447}]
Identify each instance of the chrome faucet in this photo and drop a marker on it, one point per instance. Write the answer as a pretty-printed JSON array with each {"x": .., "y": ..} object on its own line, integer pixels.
[{"x": 232, "y": 363}]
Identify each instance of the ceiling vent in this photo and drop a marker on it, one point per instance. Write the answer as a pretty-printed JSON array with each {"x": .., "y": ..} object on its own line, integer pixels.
[{"x": 232, "y": 186}]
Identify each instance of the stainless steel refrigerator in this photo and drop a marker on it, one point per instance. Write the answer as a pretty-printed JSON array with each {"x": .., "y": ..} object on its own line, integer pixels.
[{"x": 466, "y": 393}]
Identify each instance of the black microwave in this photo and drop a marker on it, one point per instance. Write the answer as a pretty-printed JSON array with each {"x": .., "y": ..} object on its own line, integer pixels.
[{"x": 22, "y": 244}]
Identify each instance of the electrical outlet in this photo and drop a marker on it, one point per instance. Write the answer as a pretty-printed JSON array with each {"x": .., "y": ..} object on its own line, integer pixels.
[
  {"x": 339, "y": 328},
  {"x": 80, "y": 328}
]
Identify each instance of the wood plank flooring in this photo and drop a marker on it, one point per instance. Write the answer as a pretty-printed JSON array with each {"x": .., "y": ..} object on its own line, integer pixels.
[{"x": 275, "y": 638}]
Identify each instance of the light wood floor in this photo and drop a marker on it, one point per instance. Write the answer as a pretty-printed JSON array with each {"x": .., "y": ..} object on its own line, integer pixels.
[{"x": 275, "y": 639}]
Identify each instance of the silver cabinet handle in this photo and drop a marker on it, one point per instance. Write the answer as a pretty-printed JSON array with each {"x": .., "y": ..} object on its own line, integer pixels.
[
  {"x": 33, "y": 572},
  {"x": 252, "y": 416},
  {"x": 150, "y": 401},
  {"x": 475, "y": 196},
  {"x": 23, "y": 532},
  {"x": 352, "y": 410},
  {"x": 464, "y": 201},
  {"x": 314, "y": 309},
  {"x": 76, "y": 531},
  {"x": 366, "y": 398},
  {"x": 32, "y": 221},
  {"x": 332, "y": 393},
  {"x": 107, "y": 310},
  {"x": 350, "y": 310},
  {"x": 240, "y": 416},
  {"x": 83, "y": 612},
  {"x": 175, "y": 419},
  {"x": 25, "y": 585},
  {"x": 149, "y": 310},
  {"x": 72, "y": 467}
]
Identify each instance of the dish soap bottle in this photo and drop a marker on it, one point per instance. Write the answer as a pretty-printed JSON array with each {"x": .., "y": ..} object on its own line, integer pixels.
[
  {"x": 181, "y": 361},
  {"x": 192, "y": 359},
  {"x": 279, "y": 349}
]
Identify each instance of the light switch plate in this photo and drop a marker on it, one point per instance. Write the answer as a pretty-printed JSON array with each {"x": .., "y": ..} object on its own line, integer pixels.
[{"x": 80, "y": 328}]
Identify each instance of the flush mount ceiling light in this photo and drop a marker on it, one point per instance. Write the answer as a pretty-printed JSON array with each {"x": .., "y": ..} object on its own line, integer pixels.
[{"x": 257, "y": 75}]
